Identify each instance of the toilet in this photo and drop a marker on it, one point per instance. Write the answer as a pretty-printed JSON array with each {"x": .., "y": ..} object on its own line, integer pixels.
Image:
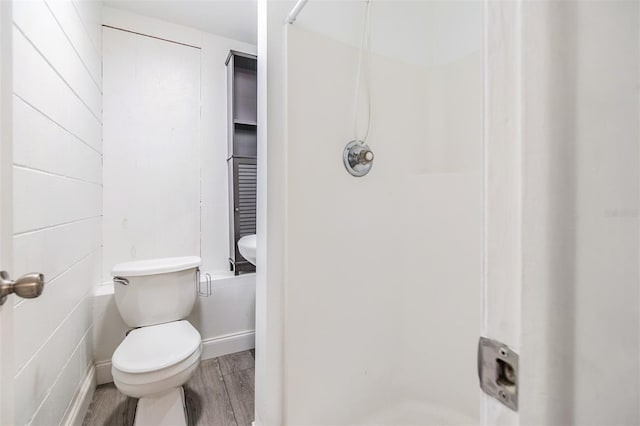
[{"x": 163, "y": 350}]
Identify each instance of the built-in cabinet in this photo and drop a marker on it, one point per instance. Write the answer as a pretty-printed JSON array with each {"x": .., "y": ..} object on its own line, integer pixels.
[{"x": 242, "y": 152}]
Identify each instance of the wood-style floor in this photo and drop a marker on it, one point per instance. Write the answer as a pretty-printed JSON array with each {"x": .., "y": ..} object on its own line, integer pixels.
[{"x": 220, "y": 393}]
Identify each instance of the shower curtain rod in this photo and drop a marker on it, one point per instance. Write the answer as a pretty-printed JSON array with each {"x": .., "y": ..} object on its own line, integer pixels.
[{"x": 291, "y": 18}]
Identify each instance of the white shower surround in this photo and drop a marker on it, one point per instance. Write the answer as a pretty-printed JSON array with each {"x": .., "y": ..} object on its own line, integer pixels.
[
  {"x": 394, "y": 313},
  {"x": 522, "y": 64}
]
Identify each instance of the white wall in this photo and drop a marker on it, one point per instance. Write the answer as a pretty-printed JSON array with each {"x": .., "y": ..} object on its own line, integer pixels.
[
  {"x": 269, "y": 402},
  {"x": 502, "y": 243},
  {"x": 581, "y": 115},
  {"x": 226, "y": 319},
  {"x": 382, "y": 273},
  {"x": 57, "y": 198},
  {"x": 562, "y": 144}
]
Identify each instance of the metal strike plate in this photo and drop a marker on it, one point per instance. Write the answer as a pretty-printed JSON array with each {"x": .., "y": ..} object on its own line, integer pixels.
[{"x": 498, "y": 371}]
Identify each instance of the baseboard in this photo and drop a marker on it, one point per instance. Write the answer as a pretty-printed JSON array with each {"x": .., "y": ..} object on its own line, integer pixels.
[
  {"x": 229, "y": 344},
  {"x": 81, "y": 400},
  {"x": 103, "y": 372},
  {"x": 211, "y": 348}
]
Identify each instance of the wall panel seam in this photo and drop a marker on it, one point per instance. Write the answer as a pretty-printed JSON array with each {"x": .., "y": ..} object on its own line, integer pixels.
[
  {"x": 55, "y": 70},
  {"x": 55, "y": 279},
  {"x": 84, "y": 27},
  {"x": 57, "y": 225},
  {"x": 59, "y": 125},
  {"x": 54, "y": 174},
  {"x": 62, "y": 370},
  {"x": 55, "y": 18},
  {"x": 55, "y": 331}
]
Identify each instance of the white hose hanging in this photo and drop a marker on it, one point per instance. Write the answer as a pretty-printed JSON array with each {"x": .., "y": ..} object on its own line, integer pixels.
[{"x": 363, "y": 57}]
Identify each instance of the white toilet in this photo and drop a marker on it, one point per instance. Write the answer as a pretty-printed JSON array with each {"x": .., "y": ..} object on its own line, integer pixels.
[{"x": 156, "y": 359}]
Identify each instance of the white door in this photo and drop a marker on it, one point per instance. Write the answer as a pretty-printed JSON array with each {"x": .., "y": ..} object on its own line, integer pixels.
[
  {"x": 6, "y": 325},
  {"x": 140, "y": 120},
  {"x": 30, "y": 285}
]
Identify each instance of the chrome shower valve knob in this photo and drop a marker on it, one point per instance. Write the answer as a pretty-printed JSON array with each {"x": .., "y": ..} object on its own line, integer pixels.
[
  {"x": 358, "y": 158},
  {"x": 365, "y": 157}
]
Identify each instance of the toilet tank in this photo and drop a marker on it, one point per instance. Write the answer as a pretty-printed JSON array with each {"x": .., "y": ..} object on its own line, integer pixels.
[{"x": 155, "y": 291}]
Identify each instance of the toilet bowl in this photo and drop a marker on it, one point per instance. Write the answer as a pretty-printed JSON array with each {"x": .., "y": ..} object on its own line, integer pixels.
[
  {"x": 161, "y": 354},
  {"x": 154, "y": 359}
]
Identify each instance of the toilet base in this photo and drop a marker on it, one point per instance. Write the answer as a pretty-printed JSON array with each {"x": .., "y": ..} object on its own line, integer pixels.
[{"x": 164, "y": 409}]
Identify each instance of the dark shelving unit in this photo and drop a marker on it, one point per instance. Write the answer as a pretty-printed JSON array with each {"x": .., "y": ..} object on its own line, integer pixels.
[{"x": 242, "y": 153}]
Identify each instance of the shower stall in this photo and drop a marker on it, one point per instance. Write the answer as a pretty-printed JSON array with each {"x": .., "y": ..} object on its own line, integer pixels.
[{"x": 502, "y": 201}]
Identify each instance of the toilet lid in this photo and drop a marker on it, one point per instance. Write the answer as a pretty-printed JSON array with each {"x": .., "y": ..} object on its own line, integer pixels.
[{"x": 156, "y": 347}]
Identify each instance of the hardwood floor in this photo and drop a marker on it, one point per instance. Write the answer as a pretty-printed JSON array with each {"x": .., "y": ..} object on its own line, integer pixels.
[
  {"x": 220, "y": 393},
  {"x": 240, "y": 389}
]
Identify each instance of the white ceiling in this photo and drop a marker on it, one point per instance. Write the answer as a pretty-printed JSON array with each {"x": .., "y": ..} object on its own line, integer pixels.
[{"x": 236, "y": 19}]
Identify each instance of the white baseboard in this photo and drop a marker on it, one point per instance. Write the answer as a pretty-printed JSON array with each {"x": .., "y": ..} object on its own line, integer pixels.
[
  {"x": 229, "y": 344},
  {"x": 81, "y": 400},
  {"x": 103, "y": 372},
  {"x": 211, "y": 348}
]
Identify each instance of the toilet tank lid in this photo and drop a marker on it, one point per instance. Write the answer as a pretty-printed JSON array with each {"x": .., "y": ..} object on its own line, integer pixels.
[{"x": 155, "y": 266}]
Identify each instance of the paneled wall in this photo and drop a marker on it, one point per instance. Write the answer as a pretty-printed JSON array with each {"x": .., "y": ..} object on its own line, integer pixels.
[{"x": 57, "y": 198}]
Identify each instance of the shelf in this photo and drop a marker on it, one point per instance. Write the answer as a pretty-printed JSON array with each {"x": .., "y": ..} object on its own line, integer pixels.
[
  {"x": 242, "y": 157},
  {"x": 245, "y": 123},
  {"x": 241, "y": 152}
]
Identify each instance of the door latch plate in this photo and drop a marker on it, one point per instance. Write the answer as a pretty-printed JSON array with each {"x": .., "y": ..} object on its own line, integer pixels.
[{"x": 498, "y": 368}]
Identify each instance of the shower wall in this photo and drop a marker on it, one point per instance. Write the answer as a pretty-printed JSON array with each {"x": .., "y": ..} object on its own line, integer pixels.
[
  {"x": 382, "y": 273},
  {"x": 561, "y": 219}
]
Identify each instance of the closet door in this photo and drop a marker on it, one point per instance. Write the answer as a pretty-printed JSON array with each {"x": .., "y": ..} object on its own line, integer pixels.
[{"x": 151, "y": 148}]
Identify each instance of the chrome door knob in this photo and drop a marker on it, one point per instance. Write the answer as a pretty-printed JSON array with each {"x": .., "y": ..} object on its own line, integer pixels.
[{"x": 27, "y": 286}]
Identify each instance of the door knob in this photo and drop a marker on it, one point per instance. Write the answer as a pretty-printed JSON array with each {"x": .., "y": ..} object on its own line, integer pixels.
[{"x": 27, "y": 286}]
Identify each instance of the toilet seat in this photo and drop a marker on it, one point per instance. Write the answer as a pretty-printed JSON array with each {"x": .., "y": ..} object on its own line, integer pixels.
[
  {"x": 154, "y": 359},
  {"x": 156, "y": 347}
]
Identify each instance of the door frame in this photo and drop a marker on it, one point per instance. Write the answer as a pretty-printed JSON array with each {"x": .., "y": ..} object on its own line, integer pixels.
[{"x": 6, "y": 210}]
